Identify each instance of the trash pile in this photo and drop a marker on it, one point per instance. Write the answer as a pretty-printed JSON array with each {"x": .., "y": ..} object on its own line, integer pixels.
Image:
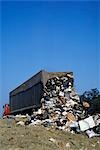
[
  {"x": 61, "y": 108},
  {"x": 60, "y": 103}
]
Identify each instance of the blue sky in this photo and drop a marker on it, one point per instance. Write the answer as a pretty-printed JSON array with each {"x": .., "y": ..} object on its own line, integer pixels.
[{"x": 55, "y": 36}]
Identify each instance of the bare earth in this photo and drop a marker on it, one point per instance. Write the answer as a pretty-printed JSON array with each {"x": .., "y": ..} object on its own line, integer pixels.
[{"x": 15, "y": 137}]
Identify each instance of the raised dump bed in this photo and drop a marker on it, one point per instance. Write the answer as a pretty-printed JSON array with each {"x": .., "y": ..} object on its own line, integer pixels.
[{"x": 28, "y": 95}]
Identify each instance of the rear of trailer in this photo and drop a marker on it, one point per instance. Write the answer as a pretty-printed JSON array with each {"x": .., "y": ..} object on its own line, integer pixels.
[{"x": 28, "y": 95}]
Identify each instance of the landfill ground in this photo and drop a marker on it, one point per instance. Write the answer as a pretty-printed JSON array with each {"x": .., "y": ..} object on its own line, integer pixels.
[{"x": 16, "y": 137}]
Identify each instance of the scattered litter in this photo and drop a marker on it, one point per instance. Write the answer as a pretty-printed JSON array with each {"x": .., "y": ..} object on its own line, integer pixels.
[
  {"x": 20, "y": 123},
  {"x": 52, "y": 140},
  {"x": 93, "y": 145},
  {"x": 87, "y": 123},
  {"x": 91, "y": 133},
  {"x": 68, "y": 146}
]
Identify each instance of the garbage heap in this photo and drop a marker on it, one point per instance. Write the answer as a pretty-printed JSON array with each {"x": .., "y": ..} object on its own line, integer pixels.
[{"x": 60, "y": 104}]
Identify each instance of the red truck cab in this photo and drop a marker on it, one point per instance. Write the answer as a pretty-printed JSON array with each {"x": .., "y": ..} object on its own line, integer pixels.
[{"x": 6, "y": 110}]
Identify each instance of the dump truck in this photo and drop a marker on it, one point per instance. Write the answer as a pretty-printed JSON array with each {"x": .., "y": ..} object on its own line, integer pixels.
[{"x": 27, "y": 96}]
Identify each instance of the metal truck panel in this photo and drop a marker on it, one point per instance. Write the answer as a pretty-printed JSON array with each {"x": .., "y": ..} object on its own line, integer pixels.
[{"x": 29, "y": 94}]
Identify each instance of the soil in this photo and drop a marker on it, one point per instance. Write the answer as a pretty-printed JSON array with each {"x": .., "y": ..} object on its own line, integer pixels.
[{"x": 16, "y": 137}]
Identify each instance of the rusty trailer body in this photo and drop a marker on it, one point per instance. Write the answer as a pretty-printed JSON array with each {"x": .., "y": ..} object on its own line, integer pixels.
[{"x": 28, "y": 95}]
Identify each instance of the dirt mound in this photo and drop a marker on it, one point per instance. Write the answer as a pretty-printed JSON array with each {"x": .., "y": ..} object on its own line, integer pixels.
[{"x": 16, "y": 137}]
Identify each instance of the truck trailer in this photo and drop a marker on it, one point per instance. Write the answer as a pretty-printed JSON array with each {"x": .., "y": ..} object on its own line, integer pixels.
[{"x": 27, "y": 96}]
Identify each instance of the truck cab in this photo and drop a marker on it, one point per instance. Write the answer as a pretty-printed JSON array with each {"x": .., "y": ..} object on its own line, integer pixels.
[{"x": 6, "y": 108}]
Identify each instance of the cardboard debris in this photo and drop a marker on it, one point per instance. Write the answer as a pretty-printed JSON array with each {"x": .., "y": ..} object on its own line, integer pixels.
[{"x": 87, "y": 123}]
